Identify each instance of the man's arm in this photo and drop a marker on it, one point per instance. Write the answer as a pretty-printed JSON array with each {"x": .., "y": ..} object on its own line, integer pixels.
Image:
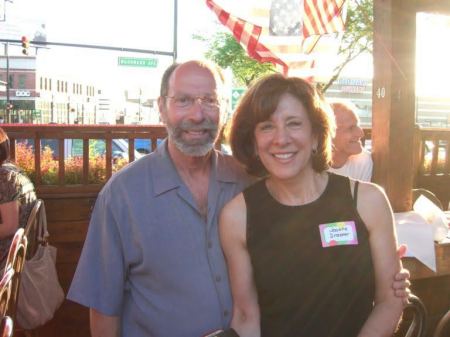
[{"x": 103, "y": 325}]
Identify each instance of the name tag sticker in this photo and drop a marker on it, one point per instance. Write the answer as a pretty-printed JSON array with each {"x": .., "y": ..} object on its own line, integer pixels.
[{"x": 338, "y": 233}]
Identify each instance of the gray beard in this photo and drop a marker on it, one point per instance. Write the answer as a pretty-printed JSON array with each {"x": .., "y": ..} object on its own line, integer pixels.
[{"x": 194, "y": 148}]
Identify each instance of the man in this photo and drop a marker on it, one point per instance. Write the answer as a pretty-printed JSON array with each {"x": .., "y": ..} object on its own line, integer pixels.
[
  {"x": 152, "y": 264},
  {"x": 349, "y": 156}
]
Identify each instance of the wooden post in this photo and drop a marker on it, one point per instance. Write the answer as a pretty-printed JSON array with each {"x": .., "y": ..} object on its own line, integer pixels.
[{"x": 394, "y": 99}]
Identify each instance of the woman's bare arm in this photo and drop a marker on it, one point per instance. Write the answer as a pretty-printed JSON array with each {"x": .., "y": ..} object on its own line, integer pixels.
[{"x": 376, "y": 213}]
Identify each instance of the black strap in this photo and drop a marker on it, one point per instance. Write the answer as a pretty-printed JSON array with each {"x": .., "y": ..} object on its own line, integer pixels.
[{"x": 355, "y": 193}]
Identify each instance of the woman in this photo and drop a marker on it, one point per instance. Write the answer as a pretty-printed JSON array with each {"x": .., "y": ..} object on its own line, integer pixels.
[
  {"x": 17, "y": 197},
  {"x": 310, "y": 253}
]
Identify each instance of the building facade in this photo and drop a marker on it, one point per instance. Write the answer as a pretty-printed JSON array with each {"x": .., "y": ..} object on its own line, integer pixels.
[{"x": 36, "y": 95}]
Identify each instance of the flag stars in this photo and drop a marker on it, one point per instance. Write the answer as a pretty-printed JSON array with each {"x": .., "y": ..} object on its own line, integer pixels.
[{"x": 285, "y": 16}]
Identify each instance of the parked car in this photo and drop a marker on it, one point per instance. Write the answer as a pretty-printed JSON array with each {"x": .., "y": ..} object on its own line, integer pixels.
[{"x": 144, "y": 146}]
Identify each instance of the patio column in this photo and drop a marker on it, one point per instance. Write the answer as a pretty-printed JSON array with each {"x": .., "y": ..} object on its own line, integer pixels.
[{"x": 393, "y": 115}]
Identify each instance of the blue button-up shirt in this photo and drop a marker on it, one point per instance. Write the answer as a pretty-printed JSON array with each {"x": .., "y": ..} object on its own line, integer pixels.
[{"x": 149, "y": 256}]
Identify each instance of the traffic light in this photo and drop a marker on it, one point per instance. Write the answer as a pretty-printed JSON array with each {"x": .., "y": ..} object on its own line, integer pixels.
[{"x": 25, "y": 45}]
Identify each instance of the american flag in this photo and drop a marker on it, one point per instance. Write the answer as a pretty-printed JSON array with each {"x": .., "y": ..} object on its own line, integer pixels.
[{"x": 283, "y": 32}]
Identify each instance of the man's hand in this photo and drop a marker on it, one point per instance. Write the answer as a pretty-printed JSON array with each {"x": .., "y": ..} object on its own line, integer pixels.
[{"x": 401, "y": 282}]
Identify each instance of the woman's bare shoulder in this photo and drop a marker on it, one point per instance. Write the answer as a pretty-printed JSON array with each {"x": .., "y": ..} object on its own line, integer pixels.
[{"x": 234, "y": 207}]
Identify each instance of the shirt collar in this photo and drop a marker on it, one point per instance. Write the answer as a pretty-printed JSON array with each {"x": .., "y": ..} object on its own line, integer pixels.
[{"x": 165, "y": 176}]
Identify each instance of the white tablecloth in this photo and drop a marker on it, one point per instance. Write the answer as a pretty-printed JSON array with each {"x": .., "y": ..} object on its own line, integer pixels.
[{"x": 417, "y": 234}]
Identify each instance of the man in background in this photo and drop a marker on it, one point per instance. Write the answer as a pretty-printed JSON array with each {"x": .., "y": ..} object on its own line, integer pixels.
[{"x": 350, "y": 158}]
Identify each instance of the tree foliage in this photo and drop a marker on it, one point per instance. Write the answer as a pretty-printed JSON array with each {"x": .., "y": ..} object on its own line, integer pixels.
[
  {"x": 226, "y": 52},
  {"x": 357, "y": 38}
]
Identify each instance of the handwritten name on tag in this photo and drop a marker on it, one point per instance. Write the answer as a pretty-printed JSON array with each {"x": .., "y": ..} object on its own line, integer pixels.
[{"x": 338, "y": 233}]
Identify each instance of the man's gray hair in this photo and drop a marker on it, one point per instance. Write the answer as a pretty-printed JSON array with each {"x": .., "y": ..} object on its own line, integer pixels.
[{"x": 215, "y": 70}]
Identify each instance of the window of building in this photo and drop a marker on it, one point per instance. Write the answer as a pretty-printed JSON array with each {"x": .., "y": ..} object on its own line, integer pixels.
[{"x": 21, "y": 81}]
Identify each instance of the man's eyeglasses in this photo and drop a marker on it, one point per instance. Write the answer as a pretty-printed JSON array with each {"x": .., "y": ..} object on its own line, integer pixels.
[{"x": 185, "y": 102}]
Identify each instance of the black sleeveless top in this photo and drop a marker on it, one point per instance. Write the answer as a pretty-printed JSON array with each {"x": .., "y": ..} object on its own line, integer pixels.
[{"x": 305, "y": 289}]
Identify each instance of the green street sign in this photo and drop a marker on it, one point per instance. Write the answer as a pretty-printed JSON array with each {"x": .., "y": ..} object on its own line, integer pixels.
[
  {"x": 236, "y": 94},
  {"x": 138, "y": 62}
]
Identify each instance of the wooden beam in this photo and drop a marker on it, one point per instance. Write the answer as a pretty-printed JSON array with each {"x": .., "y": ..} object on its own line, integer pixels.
[
  {"x": 394, "y": 99},
  {"x": 436, "y": 6}
]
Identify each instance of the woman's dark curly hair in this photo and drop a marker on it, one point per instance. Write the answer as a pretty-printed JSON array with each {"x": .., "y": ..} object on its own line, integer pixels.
[{"x": 260, "y": 102}]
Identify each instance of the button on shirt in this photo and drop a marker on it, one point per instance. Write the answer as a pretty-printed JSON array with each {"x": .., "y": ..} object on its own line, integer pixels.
[{"x": 150, "y": 258}]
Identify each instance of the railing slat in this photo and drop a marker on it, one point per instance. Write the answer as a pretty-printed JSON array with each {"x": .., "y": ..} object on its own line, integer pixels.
[
  {"x": 131, "y": 149},
  {"x": 62, "y": 155},
  {"x": 37, "y": 158},
  {"x": 108, "y": 157},
  {"x": 434, "y": 160},
  {"x": 85, "y": 161},
  {"x": 447, "y": 158}
]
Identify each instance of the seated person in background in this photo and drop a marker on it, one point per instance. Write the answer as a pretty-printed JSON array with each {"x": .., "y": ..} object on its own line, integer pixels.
[
  {"x": 17, "y": 197},
  {"x": 349, "y": 156}
]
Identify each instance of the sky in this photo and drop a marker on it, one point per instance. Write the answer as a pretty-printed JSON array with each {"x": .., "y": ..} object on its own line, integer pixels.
[
  {"x": 148, "y": 24},
  {"x": 142, "y": 24}
]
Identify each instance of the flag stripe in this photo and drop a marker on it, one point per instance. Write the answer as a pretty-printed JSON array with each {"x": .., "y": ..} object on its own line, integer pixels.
[
  {"x": 322, "y": 17},
  {"x": 313, "y": 20}
]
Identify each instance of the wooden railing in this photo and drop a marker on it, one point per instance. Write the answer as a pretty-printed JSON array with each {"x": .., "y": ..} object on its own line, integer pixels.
[
  {"x": 434, "y": 163},
  {"x": 433, "y": 167},
  {"x": 84, "y": 133}
]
